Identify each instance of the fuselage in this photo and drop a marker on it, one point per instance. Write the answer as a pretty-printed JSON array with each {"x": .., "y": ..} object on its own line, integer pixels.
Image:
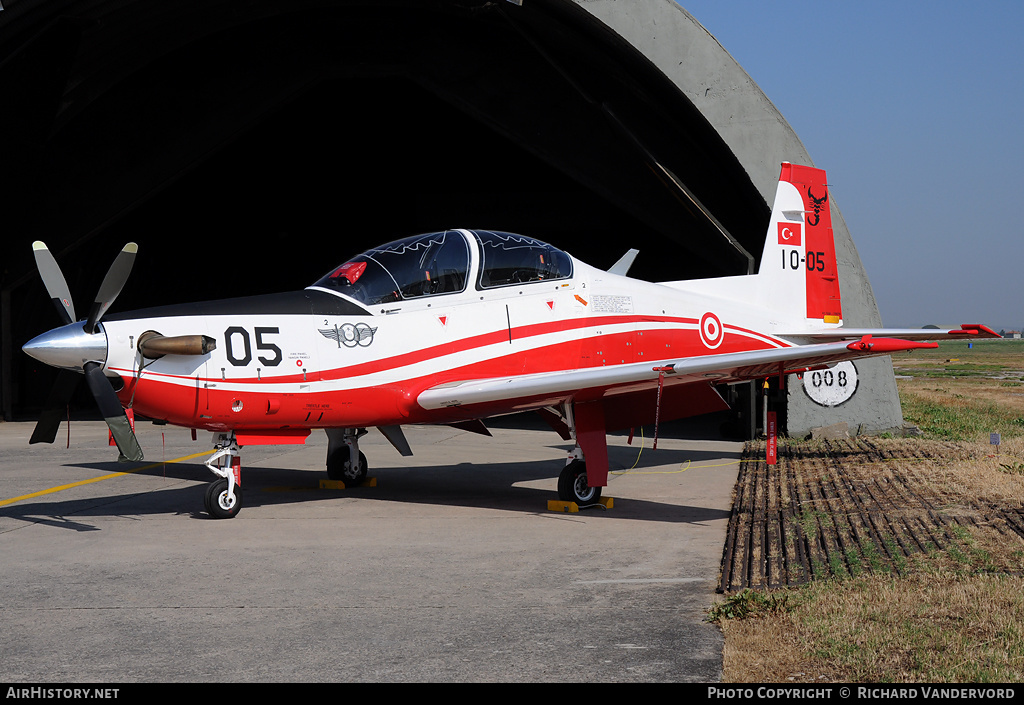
[{"x": 320, "y": 358}]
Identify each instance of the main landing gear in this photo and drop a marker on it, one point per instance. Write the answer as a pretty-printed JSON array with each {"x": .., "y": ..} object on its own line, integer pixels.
[
  {"x": 223, "y": 498},
  {"x": 345, "y": 462},
  {"x": 583, "y": 423},
  {"x": 573, "y": 487}
]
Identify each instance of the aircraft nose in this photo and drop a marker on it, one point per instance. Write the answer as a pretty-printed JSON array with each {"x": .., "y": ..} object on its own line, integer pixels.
[{"x": 68, "y": 347}]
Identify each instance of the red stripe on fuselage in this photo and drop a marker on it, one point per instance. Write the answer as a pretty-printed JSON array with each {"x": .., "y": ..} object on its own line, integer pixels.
[
  {"x": 519, "y": 334},
  {"x": 201, "y": 404}
]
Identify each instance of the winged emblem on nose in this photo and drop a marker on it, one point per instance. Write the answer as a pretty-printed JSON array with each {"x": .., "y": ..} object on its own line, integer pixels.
[{"x": 350, "y": 335}]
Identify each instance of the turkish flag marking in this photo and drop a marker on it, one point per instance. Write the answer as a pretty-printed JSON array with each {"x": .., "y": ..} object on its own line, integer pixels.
[{"x": 790, "y": 234}]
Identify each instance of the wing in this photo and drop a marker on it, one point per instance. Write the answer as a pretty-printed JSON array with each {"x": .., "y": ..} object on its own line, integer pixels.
[
  {"x": 600, "y": 381},
  {"x": 967, "y": 330}
]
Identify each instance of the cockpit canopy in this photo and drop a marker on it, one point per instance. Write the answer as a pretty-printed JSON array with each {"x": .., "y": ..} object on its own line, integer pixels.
[{"x": 439, "y": 263}]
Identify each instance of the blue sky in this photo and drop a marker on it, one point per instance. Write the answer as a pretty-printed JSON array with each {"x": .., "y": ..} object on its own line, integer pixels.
[{"x": 916, "y": 111}]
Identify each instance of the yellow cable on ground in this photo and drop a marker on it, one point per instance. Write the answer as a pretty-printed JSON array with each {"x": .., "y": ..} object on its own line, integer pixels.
[{"x": 683, "y": 467}]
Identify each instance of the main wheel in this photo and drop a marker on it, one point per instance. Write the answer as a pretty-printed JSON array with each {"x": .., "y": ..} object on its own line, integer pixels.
[
  {"x": 339, "y": 467},
  {"x": 573, "y": 487},
  {"x": 217, "y": 503}
]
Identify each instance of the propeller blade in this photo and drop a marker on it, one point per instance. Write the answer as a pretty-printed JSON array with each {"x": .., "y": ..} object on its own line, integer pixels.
[
  {"x": 56, "y": 407},
  {"x": 53, "y": 280},
  {"x": 113, "y": 412},
  {"x": 117, "y": 275}
]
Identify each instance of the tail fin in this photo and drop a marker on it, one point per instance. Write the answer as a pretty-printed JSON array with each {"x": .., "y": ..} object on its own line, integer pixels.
[{"x": 798, "y": 269}]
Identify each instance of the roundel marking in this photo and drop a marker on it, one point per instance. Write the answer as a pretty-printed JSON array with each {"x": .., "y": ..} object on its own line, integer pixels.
[{"x": 711, "y": 331}]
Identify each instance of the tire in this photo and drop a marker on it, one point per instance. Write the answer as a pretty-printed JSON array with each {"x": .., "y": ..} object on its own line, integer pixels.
[
  {"x": 216, "y": 500},
  {"x": 340, "y": 468},
  {"x": 572, "y": 485}
]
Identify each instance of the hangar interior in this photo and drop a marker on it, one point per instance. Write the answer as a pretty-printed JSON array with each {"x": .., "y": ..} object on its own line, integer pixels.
[{"x": 249, "y": 146}]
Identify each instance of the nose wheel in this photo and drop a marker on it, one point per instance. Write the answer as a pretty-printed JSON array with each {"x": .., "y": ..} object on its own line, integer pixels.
[
  {"x": 221, "y": 504},
  {"x": 223, "y": 499}
]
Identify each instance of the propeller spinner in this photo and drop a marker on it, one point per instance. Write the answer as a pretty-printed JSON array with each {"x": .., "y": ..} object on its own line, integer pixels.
[{"x": 81, "y": 348}]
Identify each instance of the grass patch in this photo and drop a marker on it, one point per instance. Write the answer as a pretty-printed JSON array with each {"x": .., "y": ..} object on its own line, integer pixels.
[
  {"x": 1012, "y": 468},
  {"x": 949, "y": 620},
  {"x": 749, "y": 604},
  {"x": 959, "y": 417},
  {"x": 959, "y": 393}
]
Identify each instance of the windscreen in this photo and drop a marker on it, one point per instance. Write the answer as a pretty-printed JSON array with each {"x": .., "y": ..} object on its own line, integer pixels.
[{"x": 423, "y": 265}]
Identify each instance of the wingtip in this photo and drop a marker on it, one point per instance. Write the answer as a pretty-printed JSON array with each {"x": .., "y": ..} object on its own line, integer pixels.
[
  {"x": 39, "y": 245},
  {"x": 130, "y": 247},
  {"x": 974, "y": 329},
  {"x": 983, "y": 331}
]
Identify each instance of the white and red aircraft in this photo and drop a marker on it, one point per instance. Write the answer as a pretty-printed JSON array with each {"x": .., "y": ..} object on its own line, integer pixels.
[{"x": 457, "y": 326}]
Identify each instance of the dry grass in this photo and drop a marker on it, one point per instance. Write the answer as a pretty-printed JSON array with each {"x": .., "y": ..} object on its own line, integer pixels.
[
  {"x": 958, "y": 615},
  {"x": 970, "y": 473},
  {"x": 936, "y": 625},
  {"x": 964, "y": 393}
]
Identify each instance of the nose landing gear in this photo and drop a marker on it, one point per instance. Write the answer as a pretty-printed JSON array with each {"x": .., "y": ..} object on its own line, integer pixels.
[{"x": 223, "y": 498}]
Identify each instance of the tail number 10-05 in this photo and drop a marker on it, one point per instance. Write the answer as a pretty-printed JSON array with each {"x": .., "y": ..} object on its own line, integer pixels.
[{"x": 815, "y": 261}]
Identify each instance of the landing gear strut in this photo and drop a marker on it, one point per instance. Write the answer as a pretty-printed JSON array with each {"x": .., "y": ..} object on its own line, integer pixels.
[
  {"x": 574, "y": 482},
  {"x": 345, "y": 462},
  {"x": 223, "y": 498}
]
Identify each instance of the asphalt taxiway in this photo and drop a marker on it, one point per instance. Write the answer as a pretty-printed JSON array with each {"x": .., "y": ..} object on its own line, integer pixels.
[{"x": 450, "y": 569}]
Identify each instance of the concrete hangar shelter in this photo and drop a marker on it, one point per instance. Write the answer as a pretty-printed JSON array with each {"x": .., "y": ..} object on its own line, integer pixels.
[{"x": 248, "y": 146}]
